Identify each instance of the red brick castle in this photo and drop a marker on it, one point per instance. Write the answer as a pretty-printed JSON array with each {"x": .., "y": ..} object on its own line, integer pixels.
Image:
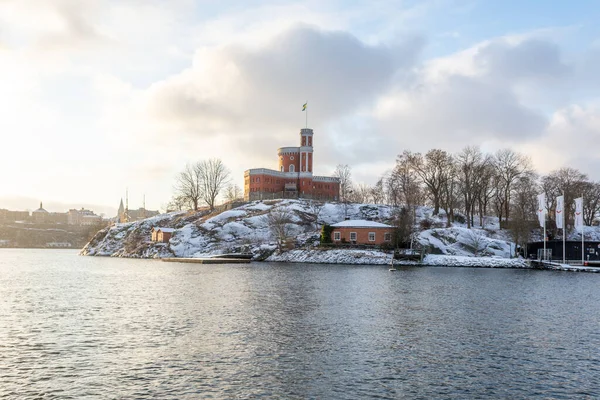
[{"x": 294, "y": 177}]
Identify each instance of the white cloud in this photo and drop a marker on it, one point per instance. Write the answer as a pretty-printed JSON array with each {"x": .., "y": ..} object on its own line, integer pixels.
[{"x": 150, "y": 85}]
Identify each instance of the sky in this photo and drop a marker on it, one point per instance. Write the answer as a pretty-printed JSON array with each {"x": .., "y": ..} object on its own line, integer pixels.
[{"x": 98, "y": 96}]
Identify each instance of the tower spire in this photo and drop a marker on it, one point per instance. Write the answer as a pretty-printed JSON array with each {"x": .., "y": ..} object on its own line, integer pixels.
[{"x": 126, "y": 204}]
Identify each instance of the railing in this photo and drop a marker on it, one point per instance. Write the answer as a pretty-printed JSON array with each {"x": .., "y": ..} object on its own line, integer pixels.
[{"x": 325, "y": 179}]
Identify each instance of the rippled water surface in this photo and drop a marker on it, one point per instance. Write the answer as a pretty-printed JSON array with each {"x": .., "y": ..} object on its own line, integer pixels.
[{"x": 77, "y": 327}]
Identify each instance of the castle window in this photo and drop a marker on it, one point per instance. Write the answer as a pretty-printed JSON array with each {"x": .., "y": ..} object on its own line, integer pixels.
[
  {"x": 282, "y": 168},
  {"x": 292, "y": 167}
]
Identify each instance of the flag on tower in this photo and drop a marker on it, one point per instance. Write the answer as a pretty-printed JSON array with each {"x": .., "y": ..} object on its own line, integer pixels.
[
  {"x": 560, "y": 210},
  {"x": 579, "y": 214},
  {"x": 541, "y": 211},
  {"x": 304, "y": 106}
]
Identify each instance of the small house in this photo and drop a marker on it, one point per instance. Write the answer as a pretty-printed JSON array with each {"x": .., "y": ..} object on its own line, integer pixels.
[
  {"x": 360, "y": 231},
  {"x": 162, "y": 235}
]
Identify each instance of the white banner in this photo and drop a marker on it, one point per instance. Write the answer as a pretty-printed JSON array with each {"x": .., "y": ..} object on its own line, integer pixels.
[
  {"x": 579, "y": 214},
  {"x": 541, "y": 211},
  {"x": 560, "y": 209}
]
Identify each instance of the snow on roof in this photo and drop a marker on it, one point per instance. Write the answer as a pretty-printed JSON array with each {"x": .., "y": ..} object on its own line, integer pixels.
[
  {"x": 165, "y": 230},
  {"x": 360, "y": 223}
]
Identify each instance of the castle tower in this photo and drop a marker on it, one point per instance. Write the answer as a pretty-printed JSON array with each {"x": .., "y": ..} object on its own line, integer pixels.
[
  {"x": 306, "y": 150},
  {"x": 121, "y": 212}
]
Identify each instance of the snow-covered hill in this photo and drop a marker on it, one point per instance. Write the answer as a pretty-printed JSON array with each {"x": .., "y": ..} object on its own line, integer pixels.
[{"x": 246, "y": 228}]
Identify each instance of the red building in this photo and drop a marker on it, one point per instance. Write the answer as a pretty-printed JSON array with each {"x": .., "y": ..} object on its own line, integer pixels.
[
  {"x": 294, "y": 176},
  {"x": 361, "y": 232}
]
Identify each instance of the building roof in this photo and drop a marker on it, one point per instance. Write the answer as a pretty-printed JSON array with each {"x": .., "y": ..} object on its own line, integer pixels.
[
  {"x": 360, "y": 223},
  {"x": 164, "y": 230},
  {"x": 40, "y": 210}
]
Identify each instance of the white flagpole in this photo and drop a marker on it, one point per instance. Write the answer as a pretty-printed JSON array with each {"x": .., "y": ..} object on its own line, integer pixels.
[
  {"x": 544, "y": 237},
  {"x": 582, "y": 232},
  {"x": 580, "y": 226},
  {"x": 563, "y": 229},
  {"x": 582, "y": 249}
]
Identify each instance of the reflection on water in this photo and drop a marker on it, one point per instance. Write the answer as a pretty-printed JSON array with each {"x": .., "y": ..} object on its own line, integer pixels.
[{"x": 76, "y": 327}]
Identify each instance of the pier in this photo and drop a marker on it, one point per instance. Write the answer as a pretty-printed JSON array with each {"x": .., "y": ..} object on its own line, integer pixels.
[{"x": 209, "y": 260}]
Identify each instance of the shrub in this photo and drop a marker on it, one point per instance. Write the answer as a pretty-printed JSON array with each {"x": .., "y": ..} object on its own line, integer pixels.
[
  {"x": 425, "y": 224},
  {"x": 326, "y": 233},
  {"x": 460, "y": 218}
]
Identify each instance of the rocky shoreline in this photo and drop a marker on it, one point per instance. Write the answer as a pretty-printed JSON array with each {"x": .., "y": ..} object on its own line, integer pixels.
[{"x": 245, "y": 229}]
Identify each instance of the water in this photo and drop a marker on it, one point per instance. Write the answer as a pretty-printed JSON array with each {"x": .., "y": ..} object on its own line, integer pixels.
[{"x": 84, "y": 327}]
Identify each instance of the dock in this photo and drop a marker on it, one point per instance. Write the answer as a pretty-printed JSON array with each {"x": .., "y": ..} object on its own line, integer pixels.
[{"x": 208, "y": 260}]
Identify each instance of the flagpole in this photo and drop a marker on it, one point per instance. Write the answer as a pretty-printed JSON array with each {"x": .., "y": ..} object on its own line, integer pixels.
[
  {"x": 306, "y": 114},
  {"x": 582, "y": 233},
  {"x": 582, "y": 248},
  {"x": 544, "y": 236},
  {"x": 564, "y": 256},
  {"x": 563, "y": 229}
]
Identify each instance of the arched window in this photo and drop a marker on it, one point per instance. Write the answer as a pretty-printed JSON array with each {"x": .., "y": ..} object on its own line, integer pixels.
[
  {"x": 282, "y": 168},
  {"x": 292, "y": 168}
]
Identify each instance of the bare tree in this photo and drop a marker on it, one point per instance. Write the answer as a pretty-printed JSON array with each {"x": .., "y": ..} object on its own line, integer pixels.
[
  {"x": 403, "y": 227},
  {"x": 314, "y": 209},
  {"x": 524, "y": 206},
  {"x": 510, "y": 165},
  {"x": 471, "y": 164},
  {"x": 177, "y": 203},
  {"x": 486, "y": 191},
  {"x": 188, "y": 186},
  {"x": 344, "y": 174},
  {"x": 279, "y": 220},
  {"x": 233, "y": 192},
  {"x": 377, "y": 193},
  {"x": 569, "y": 182},
  {"x": 449, "y": 193},
  {"x": 391, "y": 189},
  {"x": 361, "y": 193},
  {"x": 476, "y": 243},
  {"x": 433, "y": 169},
  {"x": 407, "y": 181},
  {"x": 591, "y": 202},
  {"x": 214, "y": 176}
]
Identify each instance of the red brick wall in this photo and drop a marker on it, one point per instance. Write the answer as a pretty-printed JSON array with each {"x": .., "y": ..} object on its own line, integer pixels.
[
  {"x": 264, "y": 183},
  {"x": 362, "y": 235},
  {"x": 285, "y": 160},
  {"x": 327, "y": 189}
]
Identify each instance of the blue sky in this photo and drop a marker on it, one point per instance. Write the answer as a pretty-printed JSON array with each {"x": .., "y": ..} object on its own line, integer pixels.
[{"x": 102, "y": 95}]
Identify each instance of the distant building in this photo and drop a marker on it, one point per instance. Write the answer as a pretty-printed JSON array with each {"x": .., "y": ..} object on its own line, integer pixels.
[
  {"x": 361, "y": 232},
  {"x": 12, "y": 216},
  {"x": 162, "y": 234},
  {"x": 40, "y": 216},
  {"x": 83, "y": 217},
  {"x": 294, "y": 177},
  {"x": 124, "y": 214},
  {"x": 57, "y": 218}
]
